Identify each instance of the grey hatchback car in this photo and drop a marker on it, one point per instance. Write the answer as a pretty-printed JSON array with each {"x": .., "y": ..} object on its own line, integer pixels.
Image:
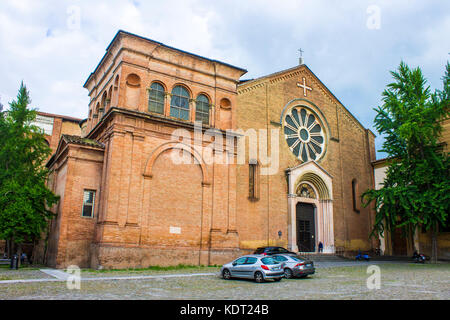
[
  {"x": 295, "y": 266},
  {"x": 255, "y": 266}
]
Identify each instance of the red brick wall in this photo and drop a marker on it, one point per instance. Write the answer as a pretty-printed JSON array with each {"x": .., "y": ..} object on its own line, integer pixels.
[
  {"x": 72, "y": 234},
  {"x": 348, "y": 156}
]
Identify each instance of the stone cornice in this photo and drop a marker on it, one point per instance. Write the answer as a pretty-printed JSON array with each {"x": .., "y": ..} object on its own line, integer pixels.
[{"x": 161, "y": 119}]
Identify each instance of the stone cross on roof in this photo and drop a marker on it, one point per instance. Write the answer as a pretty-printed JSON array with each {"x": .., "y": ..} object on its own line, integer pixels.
[{"x": 304, "y": 86}]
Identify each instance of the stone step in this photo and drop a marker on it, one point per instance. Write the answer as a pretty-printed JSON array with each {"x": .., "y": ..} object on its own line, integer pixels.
[
  {"x": 322, "y": 256},
  {"x": 391, "y": 258}
]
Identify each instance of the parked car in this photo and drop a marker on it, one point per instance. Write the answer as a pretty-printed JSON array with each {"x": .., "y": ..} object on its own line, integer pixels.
[
  {"x": 257, "y": 267},
  {"x": 273, "y": 250},
  {"x": 295, "y": 266}
]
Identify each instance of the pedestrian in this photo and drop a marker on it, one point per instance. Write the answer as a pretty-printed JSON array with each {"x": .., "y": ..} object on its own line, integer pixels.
[
  {"x": 320, "y": 246},
  {"x": 23, "y": 258}
]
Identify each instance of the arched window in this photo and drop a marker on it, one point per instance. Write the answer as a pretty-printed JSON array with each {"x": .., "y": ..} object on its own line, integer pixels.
[
  {"x": 355, "y": 195},
  {"x": 102, "y": 108},
  {"x": 97, "y": 111},
  {"x": 156, "y": 98},
  {"x": 179, "y": 104},
  {"x": 202, "y": 109},
  {"x": 108, "y": 99}
]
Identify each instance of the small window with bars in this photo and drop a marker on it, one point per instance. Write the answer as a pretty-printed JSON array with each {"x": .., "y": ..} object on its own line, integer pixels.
[{"x": 88, "y": 203}]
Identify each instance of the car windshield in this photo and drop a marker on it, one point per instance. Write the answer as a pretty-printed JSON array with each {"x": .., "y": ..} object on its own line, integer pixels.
[
  {"x": 282, "y": 250},
  {"x": 259, "y": 250},
  {"x": 269, "y": 261}
]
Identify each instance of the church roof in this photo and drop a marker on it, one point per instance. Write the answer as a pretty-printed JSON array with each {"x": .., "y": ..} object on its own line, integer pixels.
[
  {"x": 120, "y": 32},
  {"x": 82, "y": 141},
  {"x": 71, "y": 139},
  {"x": 53, "y": 115}
]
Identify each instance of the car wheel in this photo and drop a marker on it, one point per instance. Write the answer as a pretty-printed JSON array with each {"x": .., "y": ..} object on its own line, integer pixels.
[
  {"x": 259, "y": 277},
  {"x": 226, "y": 274},
  {"x": 304, "y": 276},
  {"x": 288, "y": 273}
]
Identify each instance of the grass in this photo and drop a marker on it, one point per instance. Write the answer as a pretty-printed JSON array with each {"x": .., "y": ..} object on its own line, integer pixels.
[
  {"x": 153, "y": 268},
  {"x": 33, "y": 267}
]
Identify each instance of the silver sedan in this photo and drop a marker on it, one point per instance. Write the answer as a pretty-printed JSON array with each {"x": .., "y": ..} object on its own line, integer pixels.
[
  {"x": 258, "y": 267},
  {"x": 295, "y": 266}
]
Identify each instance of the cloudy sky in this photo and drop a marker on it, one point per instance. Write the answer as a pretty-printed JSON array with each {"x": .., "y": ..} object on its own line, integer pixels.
[{"x": 350, "y": 45}]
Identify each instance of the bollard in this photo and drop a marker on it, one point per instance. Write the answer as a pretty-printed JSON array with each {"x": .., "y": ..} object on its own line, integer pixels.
[{"x": 14, "y": 262}]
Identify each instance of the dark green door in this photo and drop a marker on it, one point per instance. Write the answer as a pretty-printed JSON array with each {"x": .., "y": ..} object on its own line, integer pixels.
[{"x": 306, "y": 228}]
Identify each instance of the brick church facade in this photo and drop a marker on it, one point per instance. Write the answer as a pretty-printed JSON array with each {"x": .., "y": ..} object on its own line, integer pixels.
[{"x": 180, "y": 161}]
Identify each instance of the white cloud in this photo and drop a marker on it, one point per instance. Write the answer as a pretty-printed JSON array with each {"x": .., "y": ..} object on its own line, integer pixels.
[{"x": 38, "y": 46}]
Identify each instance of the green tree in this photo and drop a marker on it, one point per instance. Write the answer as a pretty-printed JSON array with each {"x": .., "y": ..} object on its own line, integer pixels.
[
  {"x": 416, "y": 191},
  {"x": 24, "y": 197}
]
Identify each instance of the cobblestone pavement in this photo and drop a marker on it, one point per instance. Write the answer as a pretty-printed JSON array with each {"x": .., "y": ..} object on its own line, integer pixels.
[{"x": 398, "y": 281}]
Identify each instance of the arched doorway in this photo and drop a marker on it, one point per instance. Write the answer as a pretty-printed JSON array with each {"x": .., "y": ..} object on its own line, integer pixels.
[
  {"x": 306, "y": 227},
  {"x": 310, "y": 206}
]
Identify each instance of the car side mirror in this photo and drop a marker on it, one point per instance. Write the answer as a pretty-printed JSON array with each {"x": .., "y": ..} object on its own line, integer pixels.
[{"x": 234, "y": 263}]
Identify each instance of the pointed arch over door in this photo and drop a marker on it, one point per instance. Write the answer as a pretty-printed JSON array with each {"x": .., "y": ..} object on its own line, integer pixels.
[{"x": 310, "y": 186}]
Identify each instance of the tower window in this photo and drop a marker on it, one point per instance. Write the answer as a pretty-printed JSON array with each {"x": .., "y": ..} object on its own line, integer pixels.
[
  {"x": 179, "y": 104},
  {"x": 202, "y": 109},
  {"x": 156, "y": 98},
  {"x": 88, "y": 203}
]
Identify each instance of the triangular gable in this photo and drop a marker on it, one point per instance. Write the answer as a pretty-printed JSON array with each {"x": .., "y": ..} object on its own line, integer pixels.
[
  {"x": 283, "y": 75},
  {"x": 309, "y": 163}
]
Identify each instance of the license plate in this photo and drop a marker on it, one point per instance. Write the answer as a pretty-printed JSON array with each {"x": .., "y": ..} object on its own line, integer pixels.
[
  {"x": 276, "y": 268},
  {"x": 308, "y": 265}
]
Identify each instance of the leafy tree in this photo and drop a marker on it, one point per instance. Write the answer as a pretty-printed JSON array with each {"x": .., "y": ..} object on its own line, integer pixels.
[
  {"x": 24, "y": 197},
  {"x": 416, "y": 191}
]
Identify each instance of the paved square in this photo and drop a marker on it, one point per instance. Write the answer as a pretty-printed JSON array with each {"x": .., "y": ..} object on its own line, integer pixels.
[{"x": 398, "y": 281}]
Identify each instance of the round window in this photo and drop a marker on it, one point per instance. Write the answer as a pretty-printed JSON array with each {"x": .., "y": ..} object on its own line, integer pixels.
[{"x": 304, "y": 134}]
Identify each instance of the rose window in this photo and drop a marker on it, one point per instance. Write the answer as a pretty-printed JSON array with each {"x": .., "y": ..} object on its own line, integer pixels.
[{"x": 304, "y": 134}]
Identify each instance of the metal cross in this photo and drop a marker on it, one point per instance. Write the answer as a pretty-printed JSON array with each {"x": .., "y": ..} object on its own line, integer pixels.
[
  {"x": 301, "y": 52},
  {"x": 304, "y": 86}
]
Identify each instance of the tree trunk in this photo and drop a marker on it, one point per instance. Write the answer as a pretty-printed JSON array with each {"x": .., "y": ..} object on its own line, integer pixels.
[
  {"x": 11, "y": 249},
  {"x": 19, "y": 254},
  {"x": 434, "y": 252},
  {"x": 8, "y": 249}
]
